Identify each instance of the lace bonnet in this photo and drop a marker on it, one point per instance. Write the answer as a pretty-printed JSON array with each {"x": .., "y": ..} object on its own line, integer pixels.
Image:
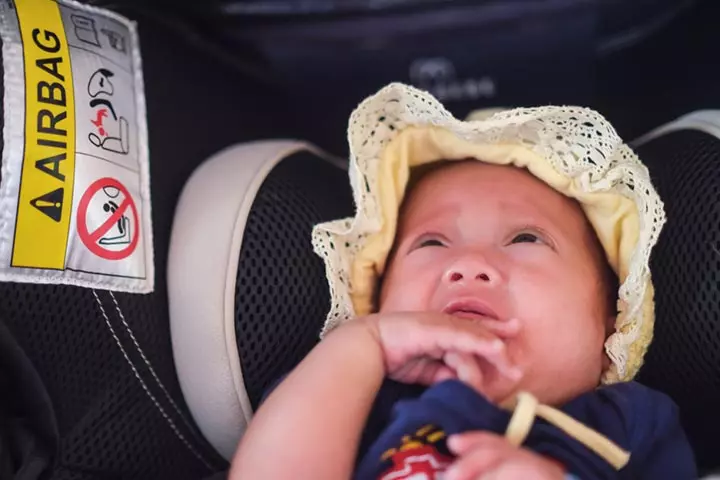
[{"x": 574, "y": 150}]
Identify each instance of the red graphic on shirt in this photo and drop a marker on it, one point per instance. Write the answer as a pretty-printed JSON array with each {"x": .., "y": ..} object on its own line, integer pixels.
[{"x": 421, "y": 463}]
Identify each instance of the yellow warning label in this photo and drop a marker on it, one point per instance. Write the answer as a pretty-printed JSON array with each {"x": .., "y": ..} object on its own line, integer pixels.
[{"x": 46, "y": 186}]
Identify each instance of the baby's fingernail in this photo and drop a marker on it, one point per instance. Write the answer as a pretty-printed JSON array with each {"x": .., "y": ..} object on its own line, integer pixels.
[{"x": 497, "y": 345}]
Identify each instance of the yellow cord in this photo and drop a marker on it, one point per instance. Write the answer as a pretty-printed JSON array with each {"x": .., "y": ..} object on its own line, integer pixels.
[{"x": 527, "y": 407}]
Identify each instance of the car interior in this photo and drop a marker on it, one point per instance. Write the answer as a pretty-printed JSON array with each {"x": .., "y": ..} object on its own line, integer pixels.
[{"x": 247, "y": 104}]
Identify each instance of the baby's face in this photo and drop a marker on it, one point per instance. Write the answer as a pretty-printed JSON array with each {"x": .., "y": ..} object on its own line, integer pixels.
[{"x": 483, "y": 241}]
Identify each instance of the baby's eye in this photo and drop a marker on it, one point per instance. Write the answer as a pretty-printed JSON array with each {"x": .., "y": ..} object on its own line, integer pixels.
[
  {"x": 430, "y": 242},
  {"x": 526, "y": 237}
]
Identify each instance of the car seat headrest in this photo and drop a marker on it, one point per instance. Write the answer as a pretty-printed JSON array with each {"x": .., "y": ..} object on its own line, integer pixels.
[
  {"x": 684, "y": 358},
  {"x": 248, "y": 295}
]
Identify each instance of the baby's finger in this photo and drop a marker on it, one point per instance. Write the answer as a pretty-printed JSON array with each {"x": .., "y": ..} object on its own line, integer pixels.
[
  {"x": 409, "y": 371},
  {"x": 462, "y": 338},
  {"x": 443, "y": 373},
  {"x": 471, "y": 339},
  {"x": 500, "y": 360},
  {"x": 424, "y": 371},
  {"x": 419, "y": 370},
  {"x": 466, "y": 368},
  {"x": 461, "y": 443},
  {"x": 441, "y": 334},
  {"x": 484, "y": 456},
  {"x": 503, "y": 328},
  {"x": 431, "y": 373}
]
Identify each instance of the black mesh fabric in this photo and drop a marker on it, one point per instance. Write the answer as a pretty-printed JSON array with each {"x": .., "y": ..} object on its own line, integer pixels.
[
  {"x": 114, "y": 418},
  {"x": 281, "y": 295},
  {"x": 684, "y": 358}
]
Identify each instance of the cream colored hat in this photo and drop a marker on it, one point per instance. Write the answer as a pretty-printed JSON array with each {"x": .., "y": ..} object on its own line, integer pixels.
[{"x": 574, "y": 150}]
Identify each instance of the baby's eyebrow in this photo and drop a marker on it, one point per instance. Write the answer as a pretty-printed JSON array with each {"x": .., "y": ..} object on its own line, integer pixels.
[
  {"x": 532, "y": 222},
  {"x": 532, "y": 219},
  {"x": 408, "y": 236},
  {"x": 426, "y": 222}
]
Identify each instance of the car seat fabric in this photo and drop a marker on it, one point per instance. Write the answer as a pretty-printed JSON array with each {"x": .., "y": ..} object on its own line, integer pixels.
[
  {"x": 105, "y": 361},
  {"x": 299, "y": 193},
  {"x": 247, "y": 294},
  {"x": 684, "y": 358},
  {"x": 28, "y": 428}
]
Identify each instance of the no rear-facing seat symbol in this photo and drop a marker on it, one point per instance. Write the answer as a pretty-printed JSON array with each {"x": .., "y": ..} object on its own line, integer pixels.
[
  {"x": 107, "y": 220},
  {"x": 123, "y": 226}
]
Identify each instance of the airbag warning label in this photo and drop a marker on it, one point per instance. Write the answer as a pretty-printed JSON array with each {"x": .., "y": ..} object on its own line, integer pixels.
[{"x": 74, "y": 191}]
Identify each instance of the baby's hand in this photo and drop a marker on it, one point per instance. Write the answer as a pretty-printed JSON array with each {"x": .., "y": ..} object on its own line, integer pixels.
[
  {"x": 487, "y": 456},
  {"x": 426, "y": 348}
]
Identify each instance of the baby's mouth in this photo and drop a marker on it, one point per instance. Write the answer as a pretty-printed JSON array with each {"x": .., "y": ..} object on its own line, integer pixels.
[
  {"x": 470, "y": 309},
  {"x": 469, "y": 315}
]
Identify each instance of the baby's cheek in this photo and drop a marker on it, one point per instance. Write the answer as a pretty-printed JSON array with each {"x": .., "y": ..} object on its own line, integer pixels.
[
  {"x": 404, "y": 291},
  {"x": 557, "y": 342},
  {"x": 559, "y": 366},
  {"x": 578, "y": 355},
  {"x": 403, "y": 285}
]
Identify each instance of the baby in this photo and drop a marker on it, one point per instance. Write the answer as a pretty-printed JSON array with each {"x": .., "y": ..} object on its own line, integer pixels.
[{"x": 476, "y": 328}]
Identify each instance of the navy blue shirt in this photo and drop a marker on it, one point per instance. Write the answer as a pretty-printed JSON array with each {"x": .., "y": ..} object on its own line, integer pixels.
[{"x": 406, "y": 431}]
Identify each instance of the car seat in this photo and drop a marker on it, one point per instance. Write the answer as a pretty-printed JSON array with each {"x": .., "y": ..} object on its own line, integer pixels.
[{"x": 248, "y": 295}]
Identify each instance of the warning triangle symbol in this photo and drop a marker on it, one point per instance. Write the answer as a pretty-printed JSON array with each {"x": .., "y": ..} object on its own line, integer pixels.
[{"x": 50, "y": 204}]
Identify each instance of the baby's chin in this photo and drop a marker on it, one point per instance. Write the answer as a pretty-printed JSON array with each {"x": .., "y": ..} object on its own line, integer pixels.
[{"x": 548, "y": 391}]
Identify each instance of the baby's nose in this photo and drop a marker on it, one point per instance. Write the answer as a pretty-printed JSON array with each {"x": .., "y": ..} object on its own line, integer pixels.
[
  {"x": 472, "y": 270},
  {"x": 456, "y": 276}
]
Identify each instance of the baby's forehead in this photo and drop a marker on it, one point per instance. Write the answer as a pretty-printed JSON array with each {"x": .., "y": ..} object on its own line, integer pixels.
[
  {"x": 444, "y": 175},
  {"x": 446, "y": 172},
  {"x": 451, "y": 188},
  {"x": 475, "y": 180}
]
